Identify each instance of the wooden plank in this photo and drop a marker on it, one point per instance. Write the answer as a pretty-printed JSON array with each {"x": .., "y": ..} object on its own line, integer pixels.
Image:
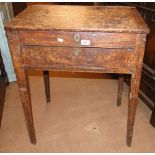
[
  {"x": 62, "y": 57},
  {"x": 80, "y": 18},
  {"x": 85, "y": 39}
]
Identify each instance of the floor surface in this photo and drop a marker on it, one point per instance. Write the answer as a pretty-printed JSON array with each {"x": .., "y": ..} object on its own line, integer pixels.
[{"x": 82, "y": 117}]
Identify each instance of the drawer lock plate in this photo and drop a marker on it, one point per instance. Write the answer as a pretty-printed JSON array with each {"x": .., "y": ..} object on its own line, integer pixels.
[
  {"x": 77, "y": 37},
  {"x": 76, "y": 52}
]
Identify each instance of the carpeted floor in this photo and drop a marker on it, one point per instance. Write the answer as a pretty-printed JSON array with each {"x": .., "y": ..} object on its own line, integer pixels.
[{"x": 82, "y": 117}]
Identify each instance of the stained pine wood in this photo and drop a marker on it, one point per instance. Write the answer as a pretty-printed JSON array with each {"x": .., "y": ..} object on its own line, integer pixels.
[
  {"x": 134, "y": 87},
  {"x": 23, "y": 84},
  {"x": 50, "y": 38},
  {"x": 112, "y": 60},
  {"x": 82, "y": 18}
]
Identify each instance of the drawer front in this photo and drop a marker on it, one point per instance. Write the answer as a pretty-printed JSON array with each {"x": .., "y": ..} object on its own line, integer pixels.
[
  {"x": 68, "y": 57},
  {"x": 78, "y": 39}
]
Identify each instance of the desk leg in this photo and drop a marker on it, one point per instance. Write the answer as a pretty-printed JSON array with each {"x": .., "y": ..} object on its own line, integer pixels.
[
  {"x": 24, "y": 91},
  {"x": 47, "y": 85},
  {"x": 132, "y": 106},
  {"x": 120, "y": 90},
  {"x": 23, "y": 83},
  {"x": 134, "y": 86}
]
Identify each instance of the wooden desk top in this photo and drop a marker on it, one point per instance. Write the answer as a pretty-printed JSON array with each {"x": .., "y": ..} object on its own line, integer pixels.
[{"x": 81, "y": 18}]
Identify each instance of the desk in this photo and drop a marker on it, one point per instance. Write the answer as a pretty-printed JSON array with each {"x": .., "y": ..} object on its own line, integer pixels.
[{"x": 78, "y": 39}]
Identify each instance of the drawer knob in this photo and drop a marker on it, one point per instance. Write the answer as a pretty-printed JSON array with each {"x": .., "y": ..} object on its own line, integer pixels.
[
  {"x": 76, "y": 52},
  {"x": 77, "y": 37}
]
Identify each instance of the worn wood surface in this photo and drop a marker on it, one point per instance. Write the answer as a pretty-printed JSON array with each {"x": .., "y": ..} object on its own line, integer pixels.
[
  {"x": 134, "y": 86},
  {"x": 112, "y": 60},
  {"x": 51, "y": 37},
  {"x": 23, "y": 83},
  {"x": 97, "y": 39},
  {"x": 90, "y": 18}
]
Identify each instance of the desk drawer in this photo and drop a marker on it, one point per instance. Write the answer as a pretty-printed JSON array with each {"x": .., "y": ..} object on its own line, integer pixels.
[
  {"x": 61, "y": 57},
  {"x": 78, "y": 39}
]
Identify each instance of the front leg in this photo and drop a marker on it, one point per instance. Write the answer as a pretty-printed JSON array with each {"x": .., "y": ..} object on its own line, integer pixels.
[
  {"x": 134, "y": 85},
  {"x": 24, "y": 92},
  {"x": 132, "y": 106},
  {"x": 23, "y": 83}
]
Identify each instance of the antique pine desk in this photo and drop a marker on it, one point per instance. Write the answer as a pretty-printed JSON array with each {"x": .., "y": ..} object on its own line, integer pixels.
[{"x": 81, "y": 39}]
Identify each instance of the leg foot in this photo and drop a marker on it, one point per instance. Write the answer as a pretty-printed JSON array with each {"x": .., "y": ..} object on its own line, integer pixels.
[{"x": 129, "y": 134}]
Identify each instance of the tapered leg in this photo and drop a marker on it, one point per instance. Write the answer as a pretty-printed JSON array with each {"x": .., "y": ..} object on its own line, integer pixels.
[
  {"x": 24, "y": 91},
  {"x": 23, "y": 83},
  {"x": 134, "y": 86},
  {"x": 47, "y": 85},
  {"x": 120, "y": 89},
  {"x": 132, "y": 106}
]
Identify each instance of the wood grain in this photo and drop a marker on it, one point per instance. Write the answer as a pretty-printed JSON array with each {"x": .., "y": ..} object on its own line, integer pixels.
[
  {"x": 23, "y": 84},
  {"x": 97, "y": 39},
  {"x": 134, "y": 86},
  {"x": 79, "y": 18},
  {"x": 110, "y": 60},
  {"x": 117, "y": 41}
]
